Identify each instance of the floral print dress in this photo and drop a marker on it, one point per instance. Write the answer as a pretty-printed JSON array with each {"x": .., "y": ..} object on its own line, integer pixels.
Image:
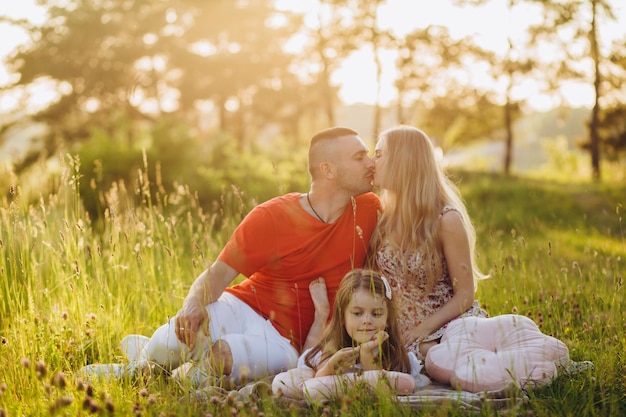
[{"x": 413, "y": 304}]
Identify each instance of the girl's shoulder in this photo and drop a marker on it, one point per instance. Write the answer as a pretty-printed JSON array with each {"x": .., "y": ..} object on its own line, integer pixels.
[
  {"x": 302, "y": 359},
  {"x": 315, "y": 360}
]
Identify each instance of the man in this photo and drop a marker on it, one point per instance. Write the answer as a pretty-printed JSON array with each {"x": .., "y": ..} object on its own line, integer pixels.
[{"x": 258, "y": 327}]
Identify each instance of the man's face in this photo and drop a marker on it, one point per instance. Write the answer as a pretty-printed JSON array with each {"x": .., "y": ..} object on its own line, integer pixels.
[{"x": 355, "y": 169}]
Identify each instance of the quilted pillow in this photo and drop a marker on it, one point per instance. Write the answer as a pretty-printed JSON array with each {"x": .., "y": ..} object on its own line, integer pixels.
[{"x": 479, "y": 354}]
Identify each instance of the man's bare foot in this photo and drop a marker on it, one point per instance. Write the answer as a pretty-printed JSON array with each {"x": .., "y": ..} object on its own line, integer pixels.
[{"x": 319, "y": 294}]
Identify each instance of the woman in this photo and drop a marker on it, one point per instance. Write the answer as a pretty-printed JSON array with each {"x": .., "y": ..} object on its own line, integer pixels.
[{"x": 424, "y": 241}]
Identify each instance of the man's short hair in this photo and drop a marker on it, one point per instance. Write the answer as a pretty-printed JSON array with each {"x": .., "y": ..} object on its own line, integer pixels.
[
  {"x": 333, "y": 133},
  {"x": 326, "y": 134}
]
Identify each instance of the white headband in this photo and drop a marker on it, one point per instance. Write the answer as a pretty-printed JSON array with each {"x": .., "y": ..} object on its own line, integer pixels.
[{"x": 387, "y": 287}]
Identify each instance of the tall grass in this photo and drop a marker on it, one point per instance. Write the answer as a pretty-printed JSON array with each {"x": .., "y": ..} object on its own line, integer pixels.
[{"x": 71, "y": 287}]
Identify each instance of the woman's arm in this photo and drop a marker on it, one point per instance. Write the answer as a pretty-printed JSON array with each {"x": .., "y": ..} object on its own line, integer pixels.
[{"x": 456, "y": 251}]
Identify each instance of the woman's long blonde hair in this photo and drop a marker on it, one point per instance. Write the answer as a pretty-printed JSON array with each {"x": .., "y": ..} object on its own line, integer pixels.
[{"x": 415, "y": 192}]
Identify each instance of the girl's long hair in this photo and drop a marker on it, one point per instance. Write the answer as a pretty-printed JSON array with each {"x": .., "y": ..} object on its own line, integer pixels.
[
  {"x": 415, "y": 191},
  {"x": 392, "y": 352}
]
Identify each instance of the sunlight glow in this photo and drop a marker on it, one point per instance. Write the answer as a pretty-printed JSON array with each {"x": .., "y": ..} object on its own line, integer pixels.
[
  {"x": 92, "y": 105},
  {"x": 489, "y": 24}
]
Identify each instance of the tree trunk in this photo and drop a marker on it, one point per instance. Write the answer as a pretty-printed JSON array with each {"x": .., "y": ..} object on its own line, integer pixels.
[
  {"x": 379, "y": 71},
  {"x": 594, "y": 140},
  {"x": 508, "y": 150},
  {"x": 329, "y": 107},
  {"x": 508, "y": 116},
  {"x": 400, "y": 109},
  {"x": 221, "y": 109}
]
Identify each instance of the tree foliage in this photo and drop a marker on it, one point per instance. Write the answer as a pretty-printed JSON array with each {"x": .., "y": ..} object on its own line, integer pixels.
[
  {"x": 167, "y": 157},
  {"x": 220, "y": 71},
  {"x": 140, "y": 59},
  {"x": 575, "y": 26}
]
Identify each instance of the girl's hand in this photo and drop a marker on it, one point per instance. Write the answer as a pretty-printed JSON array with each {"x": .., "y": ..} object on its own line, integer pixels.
[
  {"x": 342, "y": 361},
  {"x": 370, "y": 349}
]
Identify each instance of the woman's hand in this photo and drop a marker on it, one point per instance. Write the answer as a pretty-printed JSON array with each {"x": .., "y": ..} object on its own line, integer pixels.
[{"x": 418, "y": 333}]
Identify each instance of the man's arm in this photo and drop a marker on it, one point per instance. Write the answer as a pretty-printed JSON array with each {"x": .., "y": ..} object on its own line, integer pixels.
[{"x": 207, "y": 288}]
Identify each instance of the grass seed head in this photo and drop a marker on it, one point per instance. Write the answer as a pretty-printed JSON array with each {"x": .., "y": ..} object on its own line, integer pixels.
[{"x": 41, "y": 369}]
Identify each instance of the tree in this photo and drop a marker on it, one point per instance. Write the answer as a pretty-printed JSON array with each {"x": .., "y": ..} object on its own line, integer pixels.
[
  {"x": 581, "y": 18},
  {"x": 233, "y": 62},
  {"x": 423, "y": 56},
  {"x": 460, "y": 116},
  {"x": 134, "y": 60},
  {"x": 508, "y": 69},
  {"x": 612, "y": 128},
  {"x": 88, "y": 50},
  {"x": 612, "y": 118},
  {"x": 431, "y": 86},
  {"x": 330, "y": 41},
  {"x": 366, "y": 31}
]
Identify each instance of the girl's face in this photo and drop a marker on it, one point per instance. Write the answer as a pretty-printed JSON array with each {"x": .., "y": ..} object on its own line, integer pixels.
[
  {"x": 379, "y": 161},
  {"x": 365, "y": 315}
]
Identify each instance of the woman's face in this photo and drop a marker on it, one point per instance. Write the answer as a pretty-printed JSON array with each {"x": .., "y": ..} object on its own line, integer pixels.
[
  {"x": 365, "y": 315},
  {"x": 379, "y": 161}
]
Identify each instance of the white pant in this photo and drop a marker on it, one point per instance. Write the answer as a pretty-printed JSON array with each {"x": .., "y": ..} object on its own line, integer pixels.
[{"x": 258, "y": 349}]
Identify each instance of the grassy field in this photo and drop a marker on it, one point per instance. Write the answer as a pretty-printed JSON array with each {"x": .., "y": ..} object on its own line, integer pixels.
[{"x": 71, "y": 287}]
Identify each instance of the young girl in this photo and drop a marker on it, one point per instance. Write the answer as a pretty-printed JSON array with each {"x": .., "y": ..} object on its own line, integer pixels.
[
  {"x": 424, "y": 241},
  {"x": 361, "y": 345}
]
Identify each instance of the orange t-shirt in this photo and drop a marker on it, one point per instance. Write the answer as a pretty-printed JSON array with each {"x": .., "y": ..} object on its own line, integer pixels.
[{"x": 281, "y": 248}]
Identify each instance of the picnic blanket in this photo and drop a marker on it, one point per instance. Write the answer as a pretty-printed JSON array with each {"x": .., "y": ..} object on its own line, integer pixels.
[
  {"x": 424, "y": 398},
  {"x": 428, "y": 397},
  {"x": 438, "y": 394}
]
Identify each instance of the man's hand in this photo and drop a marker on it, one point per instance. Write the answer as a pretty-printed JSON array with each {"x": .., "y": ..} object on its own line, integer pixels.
[
  {"x": 207, "y": 287},
  {"x": 188, "y": 321}
]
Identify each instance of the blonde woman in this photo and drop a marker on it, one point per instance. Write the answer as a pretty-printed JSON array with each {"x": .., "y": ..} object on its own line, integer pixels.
[{"x": 424, "y": 240}]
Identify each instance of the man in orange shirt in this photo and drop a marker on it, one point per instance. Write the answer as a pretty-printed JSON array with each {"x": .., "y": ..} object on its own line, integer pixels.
[{"x": 259, "y": 327}]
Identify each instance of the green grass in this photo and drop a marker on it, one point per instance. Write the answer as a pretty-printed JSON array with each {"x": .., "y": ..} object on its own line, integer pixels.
[{"x": 72, "y": 287}]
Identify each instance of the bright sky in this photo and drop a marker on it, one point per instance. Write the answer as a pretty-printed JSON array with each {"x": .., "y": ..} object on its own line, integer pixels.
[
  {"x": 489, "y": 25},
  {"x": 10, "y": 36}
]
